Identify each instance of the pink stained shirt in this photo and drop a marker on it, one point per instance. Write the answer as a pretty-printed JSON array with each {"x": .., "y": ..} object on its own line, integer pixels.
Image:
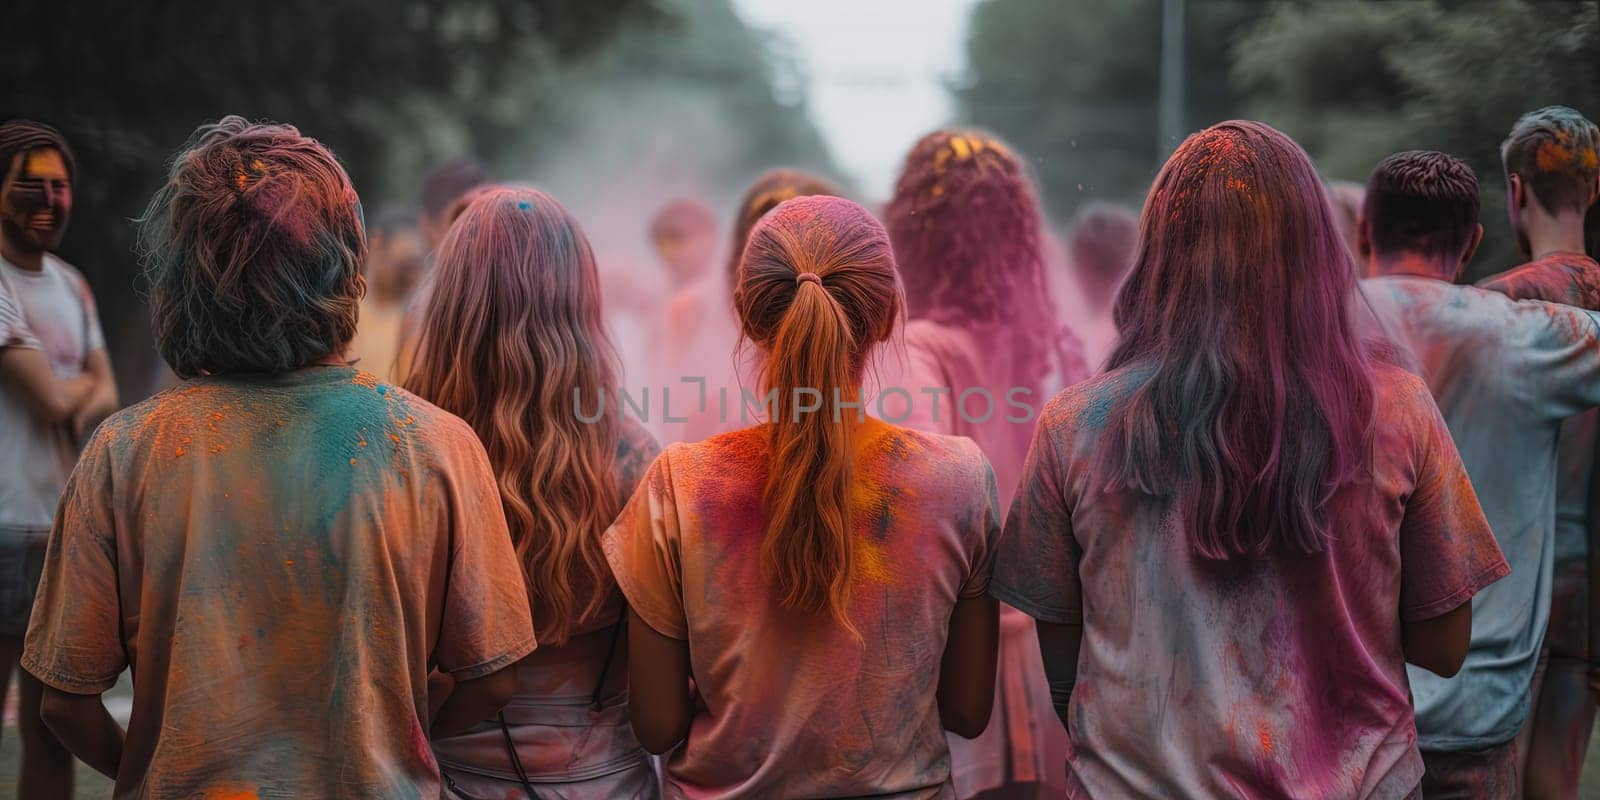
[
  {"x": 789, "y": 703},
  {"x": 1280, "y": 676}
]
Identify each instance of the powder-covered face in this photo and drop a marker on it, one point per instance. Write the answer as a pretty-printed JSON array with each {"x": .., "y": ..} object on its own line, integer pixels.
[{"x": 36, "y": 200}]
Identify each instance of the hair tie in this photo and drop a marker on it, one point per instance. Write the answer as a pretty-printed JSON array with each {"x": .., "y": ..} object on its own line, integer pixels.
[{"x": 808, "y": 276}]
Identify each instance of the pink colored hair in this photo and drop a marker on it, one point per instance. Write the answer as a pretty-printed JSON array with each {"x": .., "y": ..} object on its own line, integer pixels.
[
  {"x": 1255, "y": 396},
  {"x": 965, "y": 225},
  {"x": 771, "y": 188}
]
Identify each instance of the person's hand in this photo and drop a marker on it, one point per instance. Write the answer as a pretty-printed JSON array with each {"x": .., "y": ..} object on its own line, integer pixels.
[
  {"x": 99, "y": 405},
  {"x": 83, "y": 423}
]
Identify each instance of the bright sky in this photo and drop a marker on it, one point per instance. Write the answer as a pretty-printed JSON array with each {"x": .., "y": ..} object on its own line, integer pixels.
[{"x": 876, "y": 71}]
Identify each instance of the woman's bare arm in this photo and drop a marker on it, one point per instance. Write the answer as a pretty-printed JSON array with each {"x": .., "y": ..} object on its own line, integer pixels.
[
  {"x": 966, "y": 675},
  {"x": 1058, "y": 647},
  {"x": 658, "y": 686},
  {"x": 1439, "y": 645}
]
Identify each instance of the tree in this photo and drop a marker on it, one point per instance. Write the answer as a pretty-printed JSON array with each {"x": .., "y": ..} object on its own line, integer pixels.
[
  {"x": 1354, "y": 82},
  {"x": 391, "y": 86},
  {"x": 1073, "y": 84}
]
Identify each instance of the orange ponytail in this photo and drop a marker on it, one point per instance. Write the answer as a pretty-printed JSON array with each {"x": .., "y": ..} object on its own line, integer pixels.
[{"x": 816, "y": 331}]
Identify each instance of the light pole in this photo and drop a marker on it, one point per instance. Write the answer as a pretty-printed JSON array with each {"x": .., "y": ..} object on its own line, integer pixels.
[{"x": 1170, "y": 104}]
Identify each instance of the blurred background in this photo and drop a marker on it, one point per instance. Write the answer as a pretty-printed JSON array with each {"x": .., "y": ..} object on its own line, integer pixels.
[{"x": 620, "y": 106}]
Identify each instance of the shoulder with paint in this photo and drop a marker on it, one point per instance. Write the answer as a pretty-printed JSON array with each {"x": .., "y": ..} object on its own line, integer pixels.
[
  {"x": 952, "y": 454},
  {"x": 149, "y": 417},
  {"x": 1399, "y": 394},
  {"x": 941, "y": 343},
  {"x": 637, "y": 448},
  {"x": 726, "y": 453},
  {"x": 1090, "y": 403},
  {"x": 408, "y": 410}
]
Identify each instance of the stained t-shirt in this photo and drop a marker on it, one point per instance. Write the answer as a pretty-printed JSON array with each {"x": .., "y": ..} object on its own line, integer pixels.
[
  {"x": 1276, "y": 676},
  {"x": 1573, "y": 279},
  {"x": 53, "y": 312},
  {"x": 560, "y": 681},
  {"x": 1505, "y": 374},
  {"x": 1570, "y": 278},
  {"x": 1024, "y": 742},
  {"x": 280, "y": 560},
  {"x": 789, "y": 703}
]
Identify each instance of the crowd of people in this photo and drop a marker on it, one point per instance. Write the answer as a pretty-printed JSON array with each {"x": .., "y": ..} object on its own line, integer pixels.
[{"x": 1243, "y": 495}]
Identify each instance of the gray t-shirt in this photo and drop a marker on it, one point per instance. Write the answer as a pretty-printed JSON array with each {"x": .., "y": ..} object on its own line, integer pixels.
[
  {"x": 1505, "y": 374},
  {"x": 51, "y": 311}
]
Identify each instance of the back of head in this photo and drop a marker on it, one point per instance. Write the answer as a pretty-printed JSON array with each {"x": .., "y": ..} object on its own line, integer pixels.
[
  {"x": 684, "y": 233},
  {"x": 18, "y": 136},
  {"x": 443, "y": 189},
  {"x": 395, "y": 257},
  {"x": 513, "y": 330},
  {"x": 1100, "y": 249},
  {"x": 448, "y": 182},
  {"x": 1555, "y": 151},
  {"x": 1255, "y": 398},
  {"x": 1421, "y": 202},
  {"x": 817, "y": 290},
  {"x": 773, "y": 187},
  {"x": 253, "y": 252},
  {"x": 966, "y": 230}
]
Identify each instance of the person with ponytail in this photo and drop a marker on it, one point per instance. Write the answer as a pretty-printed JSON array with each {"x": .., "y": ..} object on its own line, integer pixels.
[
  {"x": 982, "y": 344},
  {"x": 512, "y": 339},
  {"x": 1235, "y": 538},
  {"x": 822, "y": 577},
  {"x": 718, "y": 356}
]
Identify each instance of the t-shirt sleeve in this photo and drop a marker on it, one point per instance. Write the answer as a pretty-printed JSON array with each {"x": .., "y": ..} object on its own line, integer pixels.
[
  {"x": 636, "y": 450},
  {"x": 14, "y": 330},
  {"x": 1036, "y": 566},
  {"x": 642, "y": 547},
  {"x": 74, "y": 641},
  {"x": 1447, "y": 552},
  {"x": 1558, "y": 364},
  {"x": 986, "y": 535},
  {"x": 486, "y": 623}
]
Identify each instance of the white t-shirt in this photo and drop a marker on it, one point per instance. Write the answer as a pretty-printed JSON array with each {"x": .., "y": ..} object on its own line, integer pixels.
[
  {"x": 52, "y": 311},
  {"x": 1505, "y": 374}
]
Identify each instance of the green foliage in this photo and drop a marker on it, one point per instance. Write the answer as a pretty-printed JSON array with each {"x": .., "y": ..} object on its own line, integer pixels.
[
  {"x": 691, "y": 98},
  {"x": 1355, "y": 81},
  {"x": 1074, "y": 84},
  {"x": 393, "y": 86},
  {"x": 390, "y": 86}
]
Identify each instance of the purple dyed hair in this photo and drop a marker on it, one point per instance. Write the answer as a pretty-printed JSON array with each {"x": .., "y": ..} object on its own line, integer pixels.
[
  {"x": 1255, "y": 397},
  {"x": 965, "y": 225}
]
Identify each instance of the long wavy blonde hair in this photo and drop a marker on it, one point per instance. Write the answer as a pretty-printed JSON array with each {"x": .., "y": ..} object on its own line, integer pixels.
[{"x": 513, "y": 328}]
